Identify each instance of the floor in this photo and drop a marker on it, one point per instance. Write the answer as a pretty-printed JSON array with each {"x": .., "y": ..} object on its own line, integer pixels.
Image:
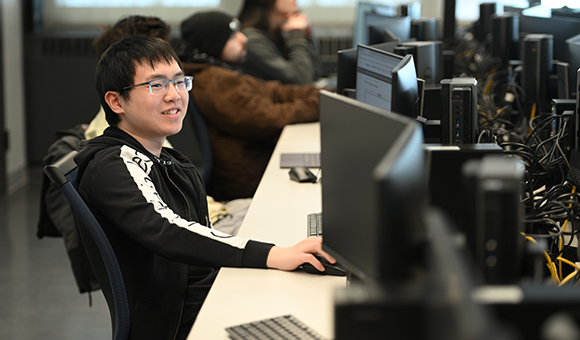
[{"x": 39, "y": 298}]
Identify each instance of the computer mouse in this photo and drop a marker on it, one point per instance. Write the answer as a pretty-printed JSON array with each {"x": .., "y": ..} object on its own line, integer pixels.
[
  {"x": 330, "y": 269},
  {"x": 302, "y": 175}
]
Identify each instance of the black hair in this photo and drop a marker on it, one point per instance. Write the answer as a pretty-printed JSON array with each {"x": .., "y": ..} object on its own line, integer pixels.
[
  {"x": 256, "y": 13},
  {"x": 131, "y": 25},
  {"x": 116, "y": 68}
]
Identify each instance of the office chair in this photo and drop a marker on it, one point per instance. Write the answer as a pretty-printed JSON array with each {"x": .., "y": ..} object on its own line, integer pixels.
[
  {"x": 100, "y": 252},
  {"x": 202, "y": 131}
]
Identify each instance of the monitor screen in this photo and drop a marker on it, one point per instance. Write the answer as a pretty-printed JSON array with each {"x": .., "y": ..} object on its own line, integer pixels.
[
  {"x": 354, "y": 138},
  {"x": 367, "y": 13},
  {"x": 389, "y": 29},
  {"x": 346, "y": 66},
  {"x": 374, "y": 76},
  {"x": 387, "y": 80}
]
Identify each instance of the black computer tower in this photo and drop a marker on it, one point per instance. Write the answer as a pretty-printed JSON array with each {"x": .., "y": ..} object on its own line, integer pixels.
[
  {"x": 445, "y": 186},
  {"x": 573, "y": 45},
  {"x": 424, "y": 29},
  {"x": 493, "y": 227},
  {"x": 536, "y": 54},
  {"x": 505, "y": 32},
  {"x": 577, "y": 120},
  {"x": 459, "y": 115},
  {"x": 483, "y": 26}
]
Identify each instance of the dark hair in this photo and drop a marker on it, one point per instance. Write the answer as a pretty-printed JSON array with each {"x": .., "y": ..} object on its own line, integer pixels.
[
  {"x": 256, "y": 13},
  {"x": 116, "y": 68},
  {"x": 132, "y": 25}
]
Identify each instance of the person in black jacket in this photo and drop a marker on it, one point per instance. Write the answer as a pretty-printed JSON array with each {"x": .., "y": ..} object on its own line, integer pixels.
[
  {"x": 151, "y": 201},
  {"x": 280, "y": 46}
]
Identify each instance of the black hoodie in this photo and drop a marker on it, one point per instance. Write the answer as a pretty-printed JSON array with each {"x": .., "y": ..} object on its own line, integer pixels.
[{"x": 154, "y": 212}]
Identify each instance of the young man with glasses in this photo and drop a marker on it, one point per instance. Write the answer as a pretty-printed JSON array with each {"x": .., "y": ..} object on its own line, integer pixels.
[{"x": 150, "y": 200}]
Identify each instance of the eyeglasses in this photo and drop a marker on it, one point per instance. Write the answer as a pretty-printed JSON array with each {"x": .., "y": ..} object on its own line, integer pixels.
[{"x": 161, "y": 86}]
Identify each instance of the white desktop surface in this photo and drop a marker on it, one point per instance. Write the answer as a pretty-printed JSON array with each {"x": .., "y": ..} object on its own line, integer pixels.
[{"x": 277, "y": 214}]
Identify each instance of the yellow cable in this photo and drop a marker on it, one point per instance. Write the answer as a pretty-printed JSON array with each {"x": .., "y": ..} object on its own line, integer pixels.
[
  {"x": 531, "y": 239},
  {"x": 551, "y": 265},
  {"x": 488, "y": 87},
  {"x": 532, "y": 115},
  {"x": 568, "y": 262},
  {"x": 570, "y": 276},
  {"x": 562, "y": 237}
]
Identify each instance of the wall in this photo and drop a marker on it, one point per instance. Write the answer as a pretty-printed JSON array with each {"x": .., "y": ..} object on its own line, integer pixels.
[
  {"x": 320, "y": 16},
  {"x": 14, "y": 93}
]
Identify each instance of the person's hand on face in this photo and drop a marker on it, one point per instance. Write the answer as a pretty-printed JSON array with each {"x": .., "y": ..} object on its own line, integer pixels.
[{"x": 296, "y": 21}]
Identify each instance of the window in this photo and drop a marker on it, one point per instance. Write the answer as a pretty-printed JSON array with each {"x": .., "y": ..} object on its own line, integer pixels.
[
  {"x": 326, "y": 3},
  {"x": 135, "y": 3}
]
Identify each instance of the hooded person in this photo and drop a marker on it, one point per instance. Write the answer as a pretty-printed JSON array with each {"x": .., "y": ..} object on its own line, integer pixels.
[{"x": 245, "y": 115}]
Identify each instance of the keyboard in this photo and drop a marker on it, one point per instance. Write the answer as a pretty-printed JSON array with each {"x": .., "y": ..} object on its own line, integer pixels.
[
  {"x": 314, "y": 224},
  {"x": 309, "y": 160},
  {"x": 281, "y": 327}
]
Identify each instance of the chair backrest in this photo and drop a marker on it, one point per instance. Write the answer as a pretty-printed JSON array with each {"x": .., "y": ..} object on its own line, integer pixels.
[
  {"x": 202, "y": 131},
  {"x": 100, "y": 252},
  {"x": 198, "y": 149}
]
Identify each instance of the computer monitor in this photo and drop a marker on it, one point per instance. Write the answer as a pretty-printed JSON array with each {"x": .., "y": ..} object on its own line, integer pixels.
[
  {"x": 367, "y": 13},
  {"x": 346, "y": 66},
  {"x": 345, "y": 70},
  {"x": 428, "y": 57},
  {"x": 354, "y": 138},
  {"x": 405, "y": 89},
  {"x": 389, "y": 29},
  {"x": 561, "y": 28},
  {"x": 386, "y": 80},
  {"x": 401, "y": 177}
]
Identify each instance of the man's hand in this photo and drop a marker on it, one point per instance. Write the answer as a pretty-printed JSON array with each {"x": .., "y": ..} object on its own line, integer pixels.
[{"x": 289, "y": 258}]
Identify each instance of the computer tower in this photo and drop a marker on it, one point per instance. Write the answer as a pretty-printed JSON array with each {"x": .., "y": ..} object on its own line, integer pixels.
[
  {"x": 483, "y": 26},
  {"x": 459, "y": 116},
  {"x": 493, "y": 195},
  {"x": 573, "y": 45},
  {"x": 424, "y": 29},
  {"x": 445, "y": 188},
  {"x": 428, "y": 57},
  {"x": 505, "y": 31},
  {"x": 369, "y": 312},
  {"x": 412, "y": 10},
  {"x": 536, "y": 54},
  {"x": 577, "y": 120}
]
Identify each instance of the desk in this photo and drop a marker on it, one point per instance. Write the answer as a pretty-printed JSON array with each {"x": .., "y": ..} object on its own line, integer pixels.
[{"x": 277, "y": 214}]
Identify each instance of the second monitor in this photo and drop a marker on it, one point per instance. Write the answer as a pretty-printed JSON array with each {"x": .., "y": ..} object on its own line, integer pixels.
[
  {"x": 387, "y": 80},
  {"x": 370, "y": 156}
]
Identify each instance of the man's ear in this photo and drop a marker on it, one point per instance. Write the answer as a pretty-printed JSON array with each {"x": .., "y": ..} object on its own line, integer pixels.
[{"x": 113, "y": 98}]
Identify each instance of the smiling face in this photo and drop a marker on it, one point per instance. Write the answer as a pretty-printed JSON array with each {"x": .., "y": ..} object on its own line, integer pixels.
[{"x": 150, "y": 118}]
